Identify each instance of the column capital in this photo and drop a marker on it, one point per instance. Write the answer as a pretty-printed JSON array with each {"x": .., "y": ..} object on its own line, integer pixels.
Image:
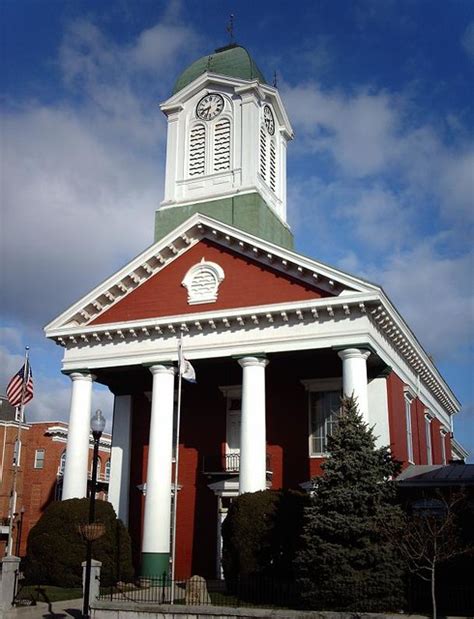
[
  {"x": 162, "y": 368},
  {"x": 354, "y": 353},
  {"x": 252, "y": 361},
  {"x": 82, "y": 375}
]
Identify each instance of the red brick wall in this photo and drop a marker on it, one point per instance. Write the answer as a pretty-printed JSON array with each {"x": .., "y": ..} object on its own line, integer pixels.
[
  {"x": 246, "y": 283},
  {"x": 35, "y": 487},
  {"x": 396, "y": 418}
]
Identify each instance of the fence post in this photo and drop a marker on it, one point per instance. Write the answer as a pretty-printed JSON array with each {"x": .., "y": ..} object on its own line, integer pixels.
[
  {"x": 95, "y": 579},
  {"x": 10, "y": 571}
]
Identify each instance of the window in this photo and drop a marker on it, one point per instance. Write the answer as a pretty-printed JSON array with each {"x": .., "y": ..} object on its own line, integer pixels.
[
  {"x": 39, "y": 459},
  {"x": 324, "y": 410},
  {"x": 107, "y": 471},
  {"x": 222, "y": 145},
  {"x": 197, "y": 151},
  {"x": 429, "y": 452},
  {"x": 443, "y": 445},
  {"x": 324, "y": 405},
  {"x": 62, "y": 463},
  {"x": 409, "y": 397}
]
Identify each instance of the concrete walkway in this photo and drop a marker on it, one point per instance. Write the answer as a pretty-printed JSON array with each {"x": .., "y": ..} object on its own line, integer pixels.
[{"x": 58, "y": 610}]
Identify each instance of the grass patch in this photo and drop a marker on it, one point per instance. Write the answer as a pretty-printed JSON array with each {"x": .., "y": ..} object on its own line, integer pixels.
[{"x": 48, "y": 593}]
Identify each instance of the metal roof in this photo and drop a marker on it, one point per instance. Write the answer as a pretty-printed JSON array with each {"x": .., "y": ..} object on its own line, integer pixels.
[
  {"x": 437, "y": 475},
  {"x": 233, "y": 60}
]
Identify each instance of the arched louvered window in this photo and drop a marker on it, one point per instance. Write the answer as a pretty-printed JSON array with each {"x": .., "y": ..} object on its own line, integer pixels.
[
  {"x": 222, "y": 145},
  {"x": 263, "y": 152},
  {"x": 197, "y": 151},
  {"x": 272, "y": 165}
]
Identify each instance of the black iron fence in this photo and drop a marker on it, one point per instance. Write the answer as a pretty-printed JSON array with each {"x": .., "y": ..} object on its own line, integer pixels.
[{"x": 266, "y": 592}]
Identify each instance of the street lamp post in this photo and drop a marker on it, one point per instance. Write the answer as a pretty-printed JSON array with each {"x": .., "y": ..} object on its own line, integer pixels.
[{"x": 97, "y": 427}]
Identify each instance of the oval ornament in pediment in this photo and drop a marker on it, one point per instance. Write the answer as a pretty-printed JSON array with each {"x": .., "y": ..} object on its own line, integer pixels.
[{"x": 202, "y": 282}]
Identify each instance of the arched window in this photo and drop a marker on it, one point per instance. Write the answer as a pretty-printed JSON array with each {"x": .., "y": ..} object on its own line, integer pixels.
[
  {"x": 107, "y": 471},
  {"x": 62, "y": 463},
  {"x": 197, "y": 150}
]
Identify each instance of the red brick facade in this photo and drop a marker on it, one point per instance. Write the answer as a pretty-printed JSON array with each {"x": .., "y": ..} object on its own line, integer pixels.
[
  {"x": 246, "y": 283},
  {"x": 37, "y": 485}
]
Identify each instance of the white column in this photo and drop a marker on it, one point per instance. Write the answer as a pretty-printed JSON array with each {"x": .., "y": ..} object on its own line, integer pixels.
[
  {"x": 253, "y": 444},
  {"x": 157, "y": 521},
  {"x": 119, "y": 482},
  {"x": 77, "y": 451},
  {"x": 354, "y": 377}
]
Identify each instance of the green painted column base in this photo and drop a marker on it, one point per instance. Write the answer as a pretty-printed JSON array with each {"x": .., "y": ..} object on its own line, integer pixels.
[{"x": 154, "y": 564}]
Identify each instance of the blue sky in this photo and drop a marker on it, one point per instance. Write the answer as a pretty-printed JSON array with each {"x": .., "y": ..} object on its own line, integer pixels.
[{"x": 380, "y": 175}]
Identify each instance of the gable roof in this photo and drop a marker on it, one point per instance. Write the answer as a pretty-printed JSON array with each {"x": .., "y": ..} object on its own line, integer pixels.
[
  {"x": 345, "y": 293},
  {"x": 181, "y": 239}
]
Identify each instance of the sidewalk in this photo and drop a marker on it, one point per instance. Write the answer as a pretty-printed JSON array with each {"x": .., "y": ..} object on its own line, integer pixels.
[{"x": 59, "y": 610}]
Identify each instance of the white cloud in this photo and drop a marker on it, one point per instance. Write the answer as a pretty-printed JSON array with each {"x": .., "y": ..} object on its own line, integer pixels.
[
  {"x": 467, "y": 41},
  {"x": 82, "y": 179},
  {"x": 52, "y": 394},
  {"x": 359, "y": 131},
  {"x": 367, "y": 134},
  {"x": 433, "y": 294}
]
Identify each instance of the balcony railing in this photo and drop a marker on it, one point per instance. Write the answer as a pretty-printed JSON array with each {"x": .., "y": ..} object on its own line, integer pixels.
[{"x": 226, "y": 464}]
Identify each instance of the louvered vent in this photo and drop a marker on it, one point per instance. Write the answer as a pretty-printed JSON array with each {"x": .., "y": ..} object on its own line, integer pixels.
[
  {"x": 197, "y": 150},
  {"x": 222, "y": 145},
  {"x": 272, "y": 165},
  {"x": 263, "y": 152}
]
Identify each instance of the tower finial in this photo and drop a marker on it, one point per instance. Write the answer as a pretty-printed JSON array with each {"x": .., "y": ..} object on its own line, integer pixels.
[
  {"x": 230, "y": 28},
  {"x": 275, "y": 79}
]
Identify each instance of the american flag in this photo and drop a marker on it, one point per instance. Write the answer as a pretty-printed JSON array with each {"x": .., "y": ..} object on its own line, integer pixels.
[{"x": 15, "y": 386}]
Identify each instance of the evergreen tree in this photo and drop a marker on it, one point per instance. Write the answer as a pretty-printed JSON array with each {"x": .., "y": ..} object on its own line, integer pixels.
[{"x": 347, "y": 561}]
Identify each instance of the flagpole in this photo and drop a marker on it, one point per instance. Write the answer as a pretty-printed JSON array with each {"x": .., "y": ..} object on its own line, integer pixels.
[
  {"x": 17, "y": 457},
  {"x": 176, "y": 465}
]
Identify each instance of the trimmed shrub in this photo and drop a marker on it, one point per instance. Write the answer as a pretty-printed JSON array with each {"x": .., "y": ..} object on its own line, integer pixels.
[
  {"x": 261, "y": 534},
  {"x": 56, "y": 549}
]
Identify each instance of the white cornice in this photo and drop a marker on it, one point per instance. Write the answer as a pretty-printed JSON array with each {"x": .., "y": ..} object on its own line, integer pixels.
[
  {"x": 264, "y": 91},
  {"x": 72, "y": 328},
  {"x": 165, "y": 251}
]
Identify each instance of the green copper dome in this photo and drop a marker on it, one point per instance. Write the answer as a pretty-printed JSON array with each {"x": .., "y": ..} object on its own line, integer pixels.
[{"x": 233, "y": 60}]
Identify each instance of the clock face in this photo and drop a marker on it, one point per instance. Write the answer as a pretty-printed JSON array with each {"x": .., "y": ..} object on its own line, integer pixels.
[
  {"x": 269, "y": 120},
  {"x": 210, "y": 106}
]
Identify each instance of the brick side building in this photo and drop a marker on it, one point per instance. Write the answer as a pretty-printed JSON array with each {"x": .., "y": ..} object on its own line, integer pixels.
[{"x": 41, "y": 459}]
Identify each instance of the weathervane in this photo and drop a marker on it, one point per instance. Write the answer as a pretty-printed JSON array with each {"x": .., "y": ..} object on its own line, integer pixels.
[{"x": 230, "y": 28}]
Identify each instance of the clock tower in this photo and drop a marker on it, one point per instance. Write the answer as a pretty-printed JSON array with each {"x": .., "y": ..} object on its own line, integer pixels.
[{"x": 226, "y": 148}]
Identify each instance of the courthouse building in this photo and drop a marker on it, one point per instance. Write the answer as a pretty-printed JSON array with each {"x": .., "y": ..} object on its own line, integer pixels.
[{"x": 275, "y": 337}]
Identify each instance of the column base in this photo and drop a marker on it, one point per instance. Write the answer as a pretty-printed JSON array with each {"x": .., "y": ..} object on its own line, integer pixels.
[{"x": 155, "y": 564}]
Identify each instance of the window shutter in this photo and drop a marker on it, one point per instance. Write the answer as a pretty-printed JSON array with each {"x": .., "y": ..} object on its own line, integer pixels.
[
  {"x": 197, "y": 150},
  {"x": 222, "y": 145}
]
